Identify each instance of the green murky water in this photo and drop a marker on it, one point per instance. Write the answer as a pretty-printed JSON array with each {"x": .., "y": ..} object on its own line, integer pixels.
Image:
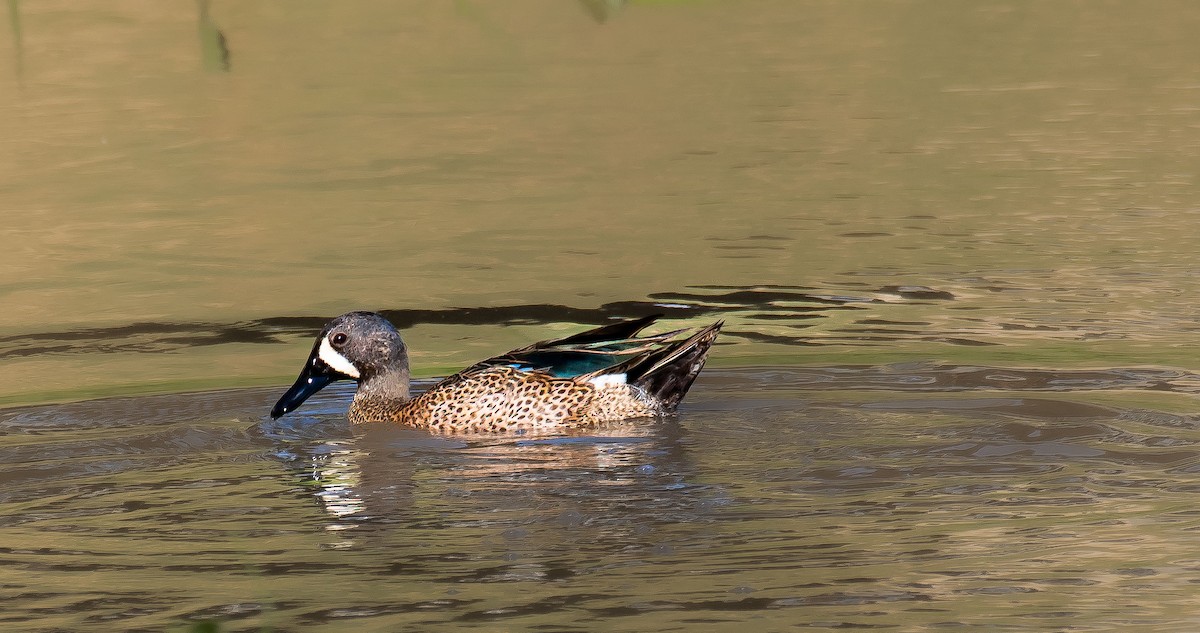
[{"x": 955, "y": 246}]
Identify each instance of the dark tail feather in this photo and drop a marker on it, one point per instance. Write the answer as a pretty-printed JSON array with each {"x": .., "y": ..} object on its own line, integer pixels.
[
  {"x": 666, "y": 375},
  {"x": 613, "y": 332}
]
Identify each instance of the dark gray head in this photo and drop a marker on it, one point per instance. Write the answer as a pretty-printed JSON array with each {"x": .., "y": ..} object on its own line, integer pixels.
[{"x": 360, "y": 346}]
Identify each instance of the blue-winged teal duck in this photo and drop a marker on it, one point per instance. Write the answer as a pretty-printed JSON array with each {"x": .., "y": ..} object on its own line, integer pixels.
[{"x": 600, "y": 375}]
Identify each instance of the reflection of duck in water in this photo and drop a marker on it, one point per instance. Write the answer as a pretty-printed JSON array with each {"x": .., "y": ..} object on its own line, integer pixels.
[
  {"x": 407, "y": 476},
  {"x": 601, "y": 375}
]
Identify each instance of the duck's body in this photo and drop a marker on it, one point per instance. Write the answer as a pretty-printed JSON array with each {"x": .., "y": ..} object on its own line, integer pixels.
[
  {"x": 499, "y": 399},
  {"x": 597, "y": 376}
]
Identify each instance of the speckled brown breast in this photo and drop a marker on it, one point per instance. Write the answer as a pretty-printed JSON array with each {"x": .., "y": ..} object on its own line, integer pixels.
[{"x": 504, "y": 399}]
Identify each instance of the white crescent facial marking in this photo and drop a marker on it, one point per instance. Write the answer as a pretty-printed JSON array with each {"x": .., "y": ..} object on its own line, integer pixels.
[
  {"x": 608, "y": 380},
  {"x": 336, "y": 360}
]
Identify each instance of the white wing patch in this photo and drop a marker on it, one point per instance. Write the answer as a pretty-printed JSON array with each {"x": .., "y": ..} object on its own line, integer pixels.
[
  {"x": 336, "y": 360},
  {"x": 608, "y": 380}
]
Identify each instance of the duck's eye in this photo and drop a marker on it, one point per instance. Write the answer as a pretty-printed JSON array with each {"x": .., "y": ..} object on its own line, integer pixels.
[{"x": 339, "y": 339}]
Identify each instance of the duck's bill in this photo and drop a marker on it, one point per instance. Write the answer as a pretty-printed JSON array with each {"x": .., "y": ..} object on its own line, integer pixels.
[{"x": 315, "y": 376}]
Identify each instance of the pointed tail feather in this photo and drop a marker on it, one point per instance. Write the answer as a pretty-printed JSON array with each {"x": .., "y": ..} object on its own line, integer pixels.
[
  {"x": 666, "y": 375},
  {"x": 626, "y": 347},
  {"x": 612, "y": 332}
]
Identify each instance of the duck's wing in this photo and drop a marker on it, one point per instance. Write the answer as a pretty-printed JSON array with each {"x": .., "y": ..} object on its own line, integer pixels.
[
  {"x": 584, "y": 353},
  {"x": 619, "y": 331},
  {"x": 663, "y": 374}
]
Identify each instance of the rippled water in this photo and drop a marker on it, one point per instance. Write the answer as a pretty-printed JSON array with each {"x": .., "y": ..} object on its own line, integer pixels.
[{"x": 900, "y": 497}]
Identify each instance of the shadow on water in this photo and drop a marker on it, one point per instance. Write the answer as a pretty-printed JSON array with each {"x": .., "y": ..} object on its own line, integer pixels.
[
  {"x": 602, "y": 10},
  {"x": 771, "y": 304},
  {"x": 14, "y": 22},
  {"x": 214, "y": 48}
]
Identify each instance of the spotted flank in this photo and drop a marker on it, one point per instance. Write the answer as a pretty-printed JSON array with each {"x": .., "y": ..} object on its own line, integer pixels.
[{"x": 601, "y": 375}]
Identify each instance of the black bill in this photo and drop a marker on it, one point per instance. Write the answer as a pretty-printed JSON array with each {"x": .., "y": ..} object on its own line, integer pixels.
[{"x": 316, "y": 374}]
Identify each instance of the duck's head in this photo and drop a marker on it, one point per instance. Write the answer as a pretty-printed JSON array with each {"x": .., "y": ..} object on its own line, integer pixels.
[{"x": 361, "y": 346}]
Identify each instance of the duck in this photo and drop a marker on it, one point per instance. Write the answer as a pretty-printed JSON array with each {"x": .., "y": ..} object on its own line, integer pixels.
[{"x": 602, "y": 375}]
